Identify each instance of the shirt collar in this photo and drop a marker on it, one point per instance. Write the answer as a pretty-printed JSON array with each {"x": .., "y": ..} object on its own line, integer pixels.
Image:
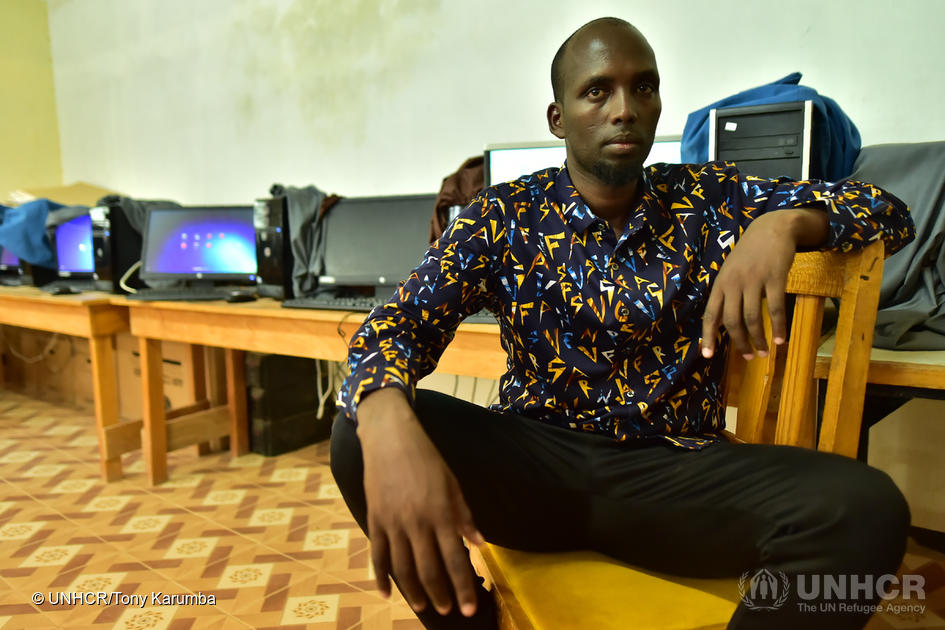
[{"x": 580, "y": 217}]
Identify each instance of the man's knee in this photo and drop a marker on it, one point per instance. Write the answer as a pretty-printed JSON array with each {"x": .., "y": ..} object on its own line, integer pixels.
[{"x": 872, "y": 516}]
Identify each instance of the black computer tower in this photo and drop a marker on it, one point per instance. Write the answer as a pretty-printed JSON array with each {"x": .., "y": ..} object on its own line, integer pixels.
[
  {"x": 274, "y": 260},
  {"x": 125, "y": 243},
  {"x": 766, "y": 140},
  {"x": 282, "y": 401},
  {"x": 102, "y": 247}
]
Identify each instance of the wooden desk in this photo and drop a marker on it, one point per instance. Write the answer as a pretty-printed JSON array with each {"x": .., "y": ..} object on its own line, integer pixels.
[
  {"x": 261, "y": 326},
  {"x": 89, "y": 315}
]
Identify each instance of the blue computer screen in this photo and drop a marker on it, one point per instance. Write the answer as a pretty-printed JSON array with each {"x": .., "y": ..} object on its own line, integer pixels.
[
  {"x": 7, "y": 259},
  {"x": 74, "y": 245},
  {"x": 200, "y": 240}
]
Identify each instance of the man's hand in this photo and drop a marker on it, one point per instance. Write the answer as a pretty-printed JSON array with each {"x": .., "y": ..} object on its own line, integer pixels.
[
  {"x": 758, "y": 267},
  {"x": 416, "y": 510}
]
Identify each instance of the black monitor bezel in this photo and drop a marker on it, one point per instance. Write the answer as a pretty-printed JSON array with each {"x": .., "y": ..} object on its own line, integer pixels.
[
  {"x": 358, "y": 280},
  {"x": 147, "y": 275}
]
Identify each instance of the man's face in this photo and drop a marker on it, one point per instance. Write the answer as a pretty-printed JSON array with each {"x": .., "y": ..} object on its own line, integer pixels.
[{"x": 610, "y": 104}]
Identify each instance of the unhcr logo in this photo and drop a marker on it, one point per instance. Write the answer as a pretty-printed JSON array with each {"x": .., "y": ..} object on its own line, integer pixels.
[{"x": 764, "y": 590}]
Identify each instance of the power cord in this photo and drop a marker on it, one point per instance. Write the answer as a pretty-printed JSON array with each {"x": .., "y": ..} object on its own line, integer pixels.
[
  {"x": 133, "y": 268},
  {"x": 25, "y": 359}
]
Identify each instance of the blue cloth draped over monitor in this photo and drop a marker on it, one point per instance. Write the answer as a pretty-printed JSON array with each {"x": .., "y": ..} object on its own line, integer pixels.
[
  {"x": 836, "y": 139},
  {"x": 23, "y": 232}
]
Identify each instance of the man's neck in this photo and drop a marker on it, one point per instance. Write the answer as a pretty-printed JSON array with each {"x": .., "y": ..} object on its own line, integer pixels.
[{"x": 610, "y": 203}]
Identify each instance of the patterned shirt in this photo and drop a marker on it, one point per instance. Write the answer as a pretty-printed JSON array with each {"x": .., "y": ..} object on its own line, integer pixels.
[{"x": 602, "y": 333}]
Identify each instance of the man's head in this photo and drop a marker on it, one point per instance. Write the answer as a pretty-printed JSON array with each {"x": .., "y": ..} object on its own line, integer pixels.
[{"x": 607, "y": 100}]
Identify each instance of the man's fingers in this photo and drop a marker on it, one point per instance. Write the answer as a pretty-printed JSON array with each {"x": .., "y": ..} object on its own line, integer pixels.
[
  {"x": 735, "y": 326},
  {"x": 380, "y": 557},
  {"x": 426, "y": 554},
  {"x": 456, "y": 559},
  {"x": 464, "y": 517},
  {"x": 711, "y": 320},
  {"x": 774, "y": 292},
  {"x": 751, "y": 306},
  {"x": 405, "y": 572}
]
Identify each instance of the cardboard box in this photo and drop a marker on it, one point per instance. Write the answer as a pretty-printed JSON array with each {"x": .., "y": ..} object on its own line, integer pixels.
[
  {"x": 49, "y": 366},
  {"x": 77, "y": 194},
  {"x": 178, "y": 384}
]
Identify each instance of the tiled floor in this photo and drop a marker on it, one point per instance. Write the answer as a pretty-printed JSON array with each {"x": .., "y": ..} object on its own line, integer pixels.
[{"x": 268, "y": 538}]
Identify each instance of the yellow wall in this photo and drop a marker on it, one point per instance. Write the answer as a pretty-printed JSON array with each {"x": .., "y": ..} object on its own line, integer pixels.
[{"x": 29, "y": 129}]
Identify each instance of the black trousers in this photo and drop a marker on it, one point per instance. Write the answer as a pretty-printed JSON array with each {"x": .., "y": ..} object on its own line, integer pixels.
[{"x": 718, "y": 512}]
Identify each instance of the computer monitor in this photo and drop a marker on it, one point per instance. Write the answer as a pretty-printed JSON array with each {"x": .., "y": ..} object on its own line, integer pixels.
[
  {"x": 9, "y": 263},
  {"x": 199, "y": 244},
  {"x": 75, "y": 257},
  {"x": 506, "y": 162},
  {"x": 375, "y": 241}
]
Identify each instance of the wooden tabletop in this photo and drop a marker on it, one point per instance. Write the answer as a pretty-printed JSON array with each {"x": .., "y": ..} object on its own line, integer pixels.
[
  {"x": 82, "y": 315},
  {"x": 264, "y": 326}
]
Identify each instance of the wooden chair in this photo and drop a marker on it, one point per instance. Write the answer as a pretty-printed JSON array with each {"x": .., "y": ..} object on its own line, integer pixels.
[{"x": 776, "y": 399}]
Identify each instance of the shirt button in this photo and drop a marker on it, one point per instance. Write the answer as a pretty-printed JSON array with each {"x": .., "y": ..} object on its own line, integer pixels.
[{"x": 623, "y": 313}]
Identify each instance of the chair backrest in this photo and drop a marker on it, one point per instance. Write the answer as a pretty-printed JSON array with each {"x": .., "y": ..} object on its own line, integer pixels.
[{"x": 777, "y": 395}]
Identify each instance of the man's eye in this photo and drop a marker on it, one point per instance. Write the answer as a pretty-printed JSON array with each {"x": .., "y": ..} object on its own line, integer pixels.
[
  {"x": 594, "y": 92},
  {"x": 647, "y": 88}
]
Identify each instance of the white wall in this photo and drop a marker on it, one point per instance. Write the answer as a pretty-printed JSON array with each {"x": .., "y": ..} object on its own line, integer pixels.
[{"x": 214, "y": 100}]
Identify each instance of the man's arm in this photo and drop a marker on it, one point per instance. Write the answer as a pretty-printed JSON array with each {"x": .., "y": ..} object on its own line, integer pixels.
[
  {"x": 416, "y": 510},
  {"x": 781, "y": 218},
  {"x": 417, "y": 515}
]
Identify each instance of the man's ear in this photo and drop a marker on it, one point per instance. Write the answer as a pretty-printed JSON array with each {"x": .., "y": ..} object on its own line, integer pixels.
[{"x": 554, "y": 120}]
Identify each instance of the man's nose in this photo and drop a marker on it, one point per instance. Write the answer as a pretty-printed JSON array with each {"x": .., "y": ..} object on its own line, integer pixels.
[{"x": 624, "y": 107}]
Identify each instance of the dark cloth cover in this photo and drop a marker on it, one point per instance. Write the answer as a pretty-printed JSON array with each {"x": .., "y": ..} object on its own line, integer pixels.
[
  {"x": 912, "y": 299},
  {"x": 457, "y": 189}
]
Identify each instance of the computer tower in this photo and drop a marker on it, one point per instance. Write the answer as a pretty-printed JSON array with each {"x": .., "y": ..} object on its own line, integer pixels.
[
  {"x": 274, "y": 260},
  {"x": 282, "y": 403},
  {"x": 125, "y": 246},
  {"x": 766, "y": 140},
  {"x": 101, "y": 245}
]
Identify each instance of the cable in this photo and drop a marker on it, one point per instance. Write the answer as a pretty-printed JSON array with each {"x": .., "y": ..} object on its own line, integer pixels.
[
  {"x": 29, "y": 360},
  {"x": 341, "y": 322},
  {"x": 323, "y": 393},
  {"x": 133, "y": 268}
]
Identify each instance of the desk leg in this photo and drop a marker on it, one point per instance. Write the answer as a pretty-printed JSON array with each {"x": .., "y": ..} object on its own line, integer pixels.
[
  {"x": 198, "y": 376},
  {"x": 105, "y": 394},
  {"x": 154, "y": 429},
  {"x": 236, "y": 400}
]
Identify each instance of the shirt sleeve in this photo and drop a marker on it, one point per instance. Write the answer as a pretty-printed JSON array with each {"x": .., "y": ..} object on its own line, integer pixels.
[
  {"x": 402, "y": 340},
  {"x": 859, "y": 213}
]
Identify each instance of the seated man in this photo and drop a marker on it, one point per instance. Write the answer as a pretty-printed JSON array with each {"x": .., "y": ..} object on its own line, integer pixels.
[{"x": 609, "y": 285}]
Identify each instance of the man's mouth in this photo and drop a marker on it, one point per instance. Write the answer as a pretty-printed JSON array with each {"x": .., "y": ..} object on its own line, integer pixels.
[{"x": 624, "y": 143}]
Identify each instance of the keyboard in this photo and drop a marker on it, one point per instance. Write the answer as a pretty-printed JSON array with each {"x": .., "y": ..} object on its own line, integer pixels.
[
  {"x": 363, "y": 304},
  {"x": 77, "y": 285},
  {"x": 183, "y": 294},
  {"x": 358, "y": 303}
]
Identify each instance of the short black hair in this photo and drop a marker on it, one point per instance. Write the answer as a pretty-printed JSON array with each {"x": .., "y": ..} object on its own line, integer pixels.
[{"x": 556, "y": 78}]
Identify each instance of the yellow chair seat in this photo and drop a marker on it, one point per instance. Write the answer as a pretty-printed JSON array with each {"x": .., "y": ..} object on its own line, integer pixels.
[{"x": 545, "y": 587}]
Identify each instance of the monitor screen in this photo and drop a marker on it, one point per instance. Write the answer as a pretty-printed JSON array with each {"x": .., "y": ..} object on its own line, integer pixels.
[
  {"x": 505, "y": 163},
  {"x": 213, "y": 243},
  {"x": 8, "y": 261},
  {"x": 74, "y": 254},
  {"x": 375, "y": 241}
]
